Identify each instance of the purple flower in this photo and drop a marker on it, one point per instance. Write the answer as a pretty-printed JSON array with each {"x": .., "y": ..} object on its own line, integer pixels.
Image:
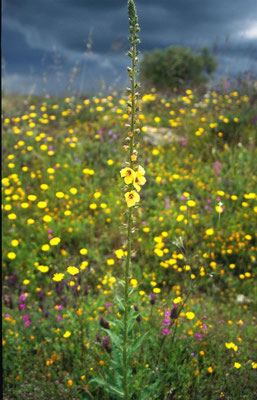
[
  {"x": 152, "y": 298},
  {"x": 167, "y": 203},
  {"x": 59, "y": 318},
  {"x": 59, "y": 307},
  {"x": 167, "y": 321},
  {"x": 205, "y": 327},
  {"x": 217, "y": 167},
  {"x": 25, "y": 317},
  {"x": 198, "y": 336},
  {"x": 28, "y": 323},
  {"x": 98, "y": 338},
  {"x": 6, "y": 315},
  {"x": 107, "y": 305},
  {"x": 165, "y": 331},
  {"x": 183, "y": 141},
  {"x": 106, "y": 339},
  {"x": 22, "y": 306},
  {"x": 167, "y": 313},
  {"x": 22, "y": 297},
  {"x": 183, "y": 197}
]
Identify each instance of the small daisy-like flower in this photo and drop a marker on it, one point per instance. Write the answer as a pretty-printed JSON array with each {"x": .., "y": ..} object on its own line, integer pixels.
[
  {"x": 73, "y": 270},
  {"x": 190, "y": 315},
  {"x": 55, "y": 241},
  {"x": 43, "y": 268},
  {"x": 58, "y": 277},
  {"x": 209, "y": 231}
]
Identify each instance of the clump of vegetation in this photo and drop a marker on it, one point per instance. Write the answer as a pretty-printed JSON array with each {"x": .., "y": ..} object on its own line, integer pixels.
[{"x": 176, "y": 67}]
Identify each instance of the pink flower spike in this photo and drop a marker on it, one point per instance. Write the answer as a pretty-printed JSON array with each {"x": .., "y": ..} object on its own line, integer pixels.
[{"x": 165, "y": 331}]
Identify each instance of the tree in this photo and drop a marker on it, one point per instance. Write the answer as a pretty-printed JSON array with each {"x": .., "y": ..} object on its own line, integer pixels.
[{"x": 176, "y": 66}]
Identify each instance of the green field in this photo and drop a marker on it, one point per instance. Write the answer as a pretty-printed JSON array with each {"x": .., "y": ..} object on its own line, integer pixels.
[{"x": 193, "y": 246}]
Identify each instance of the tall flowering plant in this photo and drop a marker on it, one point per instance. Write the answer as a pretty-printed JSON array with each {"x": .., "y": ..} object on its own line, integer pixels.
[
  {"x": 133, "y": 174},
  {"x": 118, "y": 379}
]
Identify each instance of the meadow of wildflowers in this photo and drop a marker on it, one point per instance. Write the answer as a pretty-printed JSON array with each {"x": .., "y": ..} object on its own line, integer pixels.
[{"x": 129, "y": 245}]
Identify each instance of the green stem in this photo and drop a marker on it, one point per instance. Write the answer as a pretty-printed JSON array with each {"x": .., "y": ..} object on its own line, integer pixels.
[
  {"x": 129, "y": 234},
  {"x": 125, "y": 332}
]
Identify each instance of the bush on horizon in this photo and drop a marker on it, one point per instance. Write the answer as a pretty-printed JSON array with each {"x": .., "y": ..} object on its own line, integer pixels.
[{"x": 176, "y": 67}]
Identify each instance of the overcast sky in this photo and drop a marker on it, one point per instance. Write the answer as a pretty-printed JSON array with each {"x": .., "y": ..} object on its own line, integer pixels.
[{"x": 54, "y": 46}]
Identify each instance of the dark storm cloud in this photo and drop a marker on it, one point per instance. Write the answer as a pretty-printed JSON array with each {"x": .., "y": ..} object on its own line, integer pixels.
[{"x": 34, "y": 31}]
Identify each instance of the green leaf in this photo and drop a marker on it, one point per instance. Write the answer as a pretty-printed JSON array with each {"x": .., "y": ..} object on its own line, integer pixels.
[
  {"x": 109, "y": 388},
  {"x": 120, "y": 302},
  {"x": 150, "y": 390},
  {"x": 115, "y": 339},
  {"x": 136, "y": 344}
]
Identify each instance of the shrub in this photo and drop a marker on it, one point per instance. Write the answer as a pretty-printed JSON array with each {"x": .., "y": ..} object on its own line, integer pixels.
[{"x": 176, "y": 67}]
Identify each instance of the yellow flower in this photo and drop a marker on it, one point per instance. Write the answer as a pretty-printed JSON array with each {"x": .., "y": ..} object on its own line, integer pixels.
[
  {"x": 97, "y": 195},
  {"x": 209, "y": 231},
  {"x": 41, "y": 204},
  {"x": 210, "y": 370},
  {"x": 248, "y": 237},
  {"x": 139, "y": 180},
  {"x": 83, "y": 265},
  {"x": 47, "y": 218},
  {"x": 132, "y": 198},
  {"x": 177, "y": 300},
  {"x": 12, "y": 216},
  {"x": 58, "y": 277},
  {"x": 119, "y": 253},
  {"x": 110, "y": 261},
  {"x": 190, "y": 315},
  {"x": 156, "y": 290},
  {"x": 159, "y": 252},
  {"x": 43, "y": 268},
  {"x": 237, "y": 365},
  {"x": 73, "y": 190},
  {"x": 32, "y": 197},
  {"x": 59, "y": 195},
  {"x": 66, "y": 334},
  {"x": 128, "y": 175},
  {"x": 83, "y": 251},
  {"x": 55, "y": 241},
  {"x": 191, "y": 203},
  {"x": 140, "y": 170},
  {"x": 11, "y": 255},
  {"x": 219, "y": 209},
  {"x": 73, "y": 270},
  {"x": 45, "y": 247}
]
